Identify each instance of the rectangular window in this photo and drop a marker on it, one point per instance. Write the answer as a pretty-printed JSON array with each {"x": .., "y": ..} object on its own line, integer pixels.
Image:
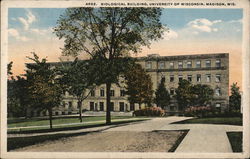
[
  {"x": 218, "y": 63},
  {"x": 218, "y": 91},
  {"x": 111, "y": 106},
  {"x": 189, "y": 64},
  {"x": 171, "y": 65},
  {"x": 101, "y": 106},
  {"x": 189, "y": 78},
  {"x": 91, "y": 106},
  {"x": 122, "y": 93},
  {"x": 112, "y": 93},
  {"x": 198, "y": 78},
  {"x": 132, "y": 106},
  {"x": 148, "y": 65},
  {"x": 208, "y": 77},
  {"x": 102, "y": 93},
  {"x": 217, "y": 78},
  {"x": 171, "y": 91},
  {"x": 198, "y": 64},
  {"x": 180, "y": 64},
  {"x": 92, "y": 93},
  {"x": 171, "y": 78},
  {"x": 121, "y": 104},
  {"x": 180, "y": 77},
  {"x": 161, "y": 65},
  {"x": 70, "y": 104},
  {"x": 208, "y": 63}
]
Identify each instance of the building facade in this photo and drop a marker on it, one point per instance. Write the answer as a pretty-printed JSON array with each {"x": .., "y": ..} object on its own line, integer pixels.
[{"x": 209, "y": 69}]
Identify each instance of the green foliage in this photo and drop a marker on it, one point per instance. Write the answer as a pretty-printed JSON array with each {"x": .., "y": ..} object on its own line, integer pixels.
[
  {"x": 107, "y": 34},
  {"x": 45, "y": 89},
  {"x": 9, "y": 67},
  {"x": 235, "y": 98},
  {"x": 150, "y": 111},
  {"x": 162, "y": 96},
  {"x": 139, "y": 85},
  {"x": 193, "y": 95},
  {"x": 17, "y": 97}
]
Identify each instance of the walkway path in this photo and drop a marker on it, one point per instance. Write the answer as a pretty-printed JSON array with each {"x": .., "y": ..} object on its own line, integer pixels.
[{"x": 200, "y": 138}]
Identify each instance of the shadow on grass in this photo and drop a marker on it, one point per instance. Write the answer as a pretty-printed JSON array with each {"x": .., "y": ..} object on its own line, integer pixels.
[
  {"x": 235, "y": 139},
  {"x": 68, "y": 128},
  {"x": 19, "y": 142},
  {"x": 213, "y": 120}
]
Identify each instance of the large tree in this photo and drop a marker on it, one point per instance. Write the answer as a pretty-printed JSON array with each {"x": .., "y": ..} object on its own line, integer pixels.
[
  {"x": 184, "y": 94},
  {"x": 108, "y": 34},
  {"x": 202, "y": 95},
  {"x": 162, "y": 96},
  {"x": 138, "y": 85},
  {"x": 45, "y": 90},
  {"x": 77, "y": 78},
  {"x": 235, "y": 98}
]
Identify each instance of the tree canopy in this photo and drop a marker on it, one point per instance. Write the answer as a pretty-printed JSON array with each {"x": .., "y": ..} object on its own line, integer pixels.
[
  {"x": 235, "y": 98},
  {"x": 162, "y": 96}
]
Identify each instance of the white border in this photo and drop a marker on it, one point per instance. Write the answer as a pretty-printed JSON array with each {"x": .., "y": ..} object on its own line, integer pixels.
[{"x": 62, "y": 4}]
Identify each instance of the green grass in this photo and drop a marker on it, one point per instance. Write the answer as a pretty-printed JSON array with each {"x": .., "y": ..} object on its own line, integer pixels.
[
  {"x": 83, "y": 125},
  {"x": 19, "y": 142},
  {"x": 235, "y": 139},
  {"x": 17, "y": 122},
  {"x": 217, "y": 120}
]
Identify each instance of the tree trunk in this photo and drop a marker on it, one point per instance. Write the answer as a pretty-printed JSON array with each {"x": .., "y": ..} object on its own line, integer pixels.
[
  {"x": 140, "y": 106},
  {"x": 108, "y": 117},
  {"x": 79, "y": 103},
  {"x": 50, "y": 118}
]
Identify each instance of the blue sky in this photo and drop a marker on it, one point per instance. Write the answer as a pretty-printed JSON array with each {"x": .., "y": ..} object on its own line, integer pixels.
[{"x": 191, "y": 31}]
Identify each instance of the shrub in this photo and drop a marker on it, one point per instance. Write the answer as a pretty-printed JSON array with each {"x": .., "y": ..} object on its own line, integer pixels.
[
  {"x": 197, "y": 111},
  {"x": 150, "y": 111}
]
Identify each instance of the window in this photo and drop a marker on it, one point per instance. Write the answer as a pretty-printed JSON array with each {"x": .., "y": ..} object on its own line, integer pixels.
[
  {"x": 180, "y": 64},
  {"x": 91, "y": 106},
  {"x": 171, "y": 78},
  {"x": 198, "y": 64},
  {"x": 218, "y": 63},
  {"x": 198, "y": 79},
  {"x": 171, "y": 65},
  {"x": 56, "y": 113},
  {"x": 189, "y": 64},
  {"x": 189, "y": 78},
  {"x": 111, "y": 106},
  {"x": 208, "y": 77},
  {"x": 70, "y": 104},
  {"x": 172, "y": 91},
  {"x": 161, "y": 65},
  {"x": 112, "y": 93},
  {"x": 217, "y": 78},
  {"x": 121, "y": 106},
  {"x": 217, "y": 105},
  {"x": 122, "y": 93},
  {"x": 102, "y": 92},
  {"x": 218, "y": 91},
  {"x": 148, "y": 65},
  {"x": 180, "y": 77},
  {"x": 132, "y": 106},
  {"x": 208, "y": 63},
  {"x": 163, "y": 78},
  {"x": 101, "y": 106},
  {"x": 92, "y": 93}
]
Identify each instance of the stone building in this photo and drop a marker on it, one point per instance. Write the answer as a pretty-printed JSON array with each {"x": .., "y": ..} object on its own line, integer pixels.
[{"x": 209, "y": 69}]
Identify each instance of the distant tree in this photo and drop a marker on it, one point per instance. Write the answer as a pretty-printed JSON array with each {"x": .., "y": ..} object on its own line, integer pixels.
[
  {"x": 45, "y": 90},
  {"x": 77, "y": 78},
  {"x": 235, "y": 98},
  {"x": 9, "y": 67},
  {"x": 202, "y": 95},
  {"x": 162, "y": 96},
  {"x": 184, "y": 94},
  {"x": 138, "y": 85},
  {"x": 17, "y": 97},
  {"x": 108, "y": 34}
]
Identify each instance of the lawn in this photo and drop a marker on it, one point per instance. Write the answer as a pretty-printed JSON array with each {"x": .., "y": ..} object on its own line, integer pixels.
[
  {"x": 235, "y": 139},
  {"x": 88, "y": 122},
  {"x": 17, "y": 122},
  {"x": 217, "y": 120}
]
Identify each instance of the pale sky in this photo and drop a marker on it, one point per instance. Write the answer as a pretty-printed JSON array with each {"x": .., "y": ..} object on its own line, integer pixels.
[{"x": 192, "y": 31}]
